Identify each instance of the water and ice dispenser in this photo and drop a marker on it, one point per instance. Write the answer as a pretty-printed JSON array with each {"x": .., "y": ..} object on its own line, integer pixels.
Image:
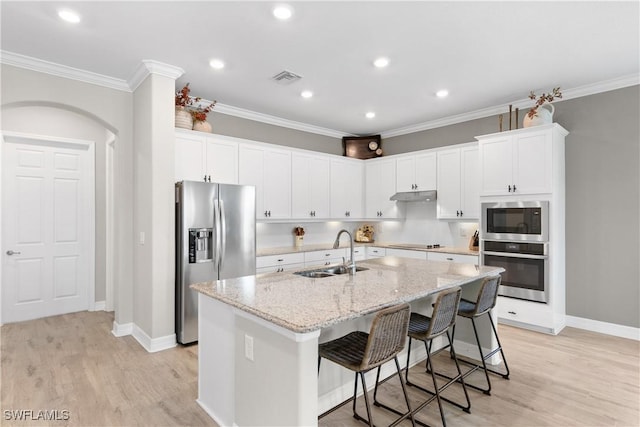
[{"x": 200, "y": 245}]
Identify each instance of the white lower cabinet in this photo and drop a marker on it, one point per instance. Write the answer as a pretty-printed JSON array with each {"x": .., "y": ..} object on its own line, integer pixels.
[
  {"x": 406, "y": 253},
  {"x": 360, "y": 253},
  {"x": 327, "y": 257},
  {"x": 442, "y": 256},
  {"x": 375, "y": 252},
  {"x": 279, "y": 263},
  {"x": 532, "y": 315}
]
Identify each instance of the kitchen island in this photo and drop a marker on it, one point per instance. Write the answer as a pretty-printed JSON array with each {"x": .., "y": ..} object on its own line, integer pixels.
[{"x": 259, "y": 335}]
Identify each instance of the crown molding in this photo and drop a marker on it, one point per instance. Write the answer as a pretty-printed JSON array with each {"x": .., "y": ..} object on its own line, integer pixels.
[
  {"x": 34, "y": 64},
  {"x": 276, "y": 121},
  {"x": 147, "y": 67},
  {"x": 580, "y": 91}
]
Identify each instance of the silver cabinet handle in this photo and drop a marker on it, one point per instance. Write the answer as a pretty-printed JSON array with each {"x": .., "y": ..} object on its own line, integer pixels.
[{"x": 10, "y": 252}]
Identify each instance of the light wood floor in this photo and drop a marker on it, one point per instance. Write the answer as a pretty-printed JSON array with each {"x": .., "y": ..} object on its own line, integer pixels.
[{"x": 74, "y": 363}]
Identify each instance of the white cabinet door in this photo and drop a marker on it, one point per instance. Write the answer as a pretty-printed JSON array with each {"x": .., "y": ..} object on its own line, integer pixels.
[
  {"x": 190, "y": 157},
  {"x": 251, "y": 172},
  {"x": 518, "y": 163},
  {"x": 222, "y": 160},
  {"x": 416, "y": 173},
  {"x": 380, "y": 185},
  {"x": 448, "y": 201},
  {"x": 346, "y": 188},
  {"x": 405, "y": 174},
  {"x": 270, "y": 172},
  {"x": 470, "y": 191},
  {"x": 425, "y": 170},
  {"x": 309, "y": 186},
  {"x": 277, "y": 184},
  {"x": 532, "y": 163},
  {"x": 496, "y": 163}
]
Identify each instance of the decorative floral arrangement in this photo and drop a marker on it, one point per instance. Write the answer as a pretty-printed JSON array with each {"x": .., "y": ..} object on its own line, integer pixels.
[
  {"x": 555, "y": 93},
  {"x": 298, "y": 231},
  {"x": 183, "y": 99},
  {"x": 200, "y": 114}
]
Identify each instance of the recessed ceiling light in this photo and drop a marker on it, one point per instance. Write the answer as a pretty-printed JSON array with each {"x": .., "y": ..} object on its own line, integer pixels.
[
  {"x": 216, "y": 64},
  {"x": 306, "y": 94},
  {"x": 442, "y": 93},
  {"x": 370, "y": 115},
  {"x": 381, "y": 62},
  {"x": 282, "y": 12},
  {"x": 69, "y": 16}
]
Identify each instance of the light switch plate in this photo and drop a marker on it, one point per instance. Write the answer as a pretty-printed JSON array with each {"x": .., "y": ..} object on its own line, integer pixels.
[{"x": 248, "y": 347}]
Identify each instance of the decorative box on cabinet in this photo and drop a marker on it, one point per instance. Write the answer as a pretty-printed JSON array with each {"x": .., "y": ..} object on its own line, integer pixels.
[
  {"x": 458, "y": 186},
  {"x": 269, "y": 170},
  {"x": 416, "y": 172},
  {"x": 522, "y": 161},
  {"x": 380, "y": 185}
]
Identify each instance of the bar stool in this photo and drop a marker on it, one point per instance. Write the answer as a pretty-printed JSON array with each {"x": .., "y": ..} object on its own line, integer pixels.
[
  {"x": 425, "y": 329},
  {"x": 486, "y": 301},
  {"x": 361, "y": 352}
]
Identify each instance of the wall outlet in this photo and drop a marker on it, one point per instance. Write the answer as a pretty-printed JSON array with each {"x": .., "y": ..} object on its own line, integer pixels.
[
  {"x": 248, "y": 347},
  {"x": 142, "y": 237},
  {"x": 464, "y": 232}
]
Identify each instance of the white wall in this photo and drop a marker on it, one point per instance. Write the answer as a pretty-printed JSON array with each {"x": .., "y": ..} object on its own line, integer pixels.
[{"x": 111, "y": 109}]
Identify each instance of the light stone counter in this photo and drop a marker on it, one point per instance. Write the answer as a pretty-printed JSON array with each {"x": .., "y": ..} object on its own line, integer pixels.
[
  {"x": 258, "y": 335},
  {"x": 301, "y": 304},
  {"x": 321, "y": 247}
]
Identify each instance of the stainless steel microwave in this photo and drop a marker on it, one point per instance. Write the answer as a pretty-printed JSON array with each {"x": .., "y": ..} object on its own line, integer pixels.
[{"x": 515, "y": 221}]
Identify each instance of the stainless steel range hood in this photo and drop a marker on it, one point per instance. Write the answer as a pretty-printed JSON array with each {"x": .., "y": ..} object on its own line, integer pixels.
[{"x": 414, "y": 196}]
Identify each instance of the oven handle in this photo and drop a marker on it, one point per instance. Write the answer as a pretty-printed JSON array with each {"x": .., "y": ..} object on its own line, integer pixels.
[{"x": 516, "y": 255}]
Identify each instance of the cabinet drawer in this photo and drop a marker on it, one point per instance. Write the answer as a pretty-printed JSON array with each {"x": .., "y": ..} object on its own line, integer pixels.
[
  {"x": 279, "y": 268},
  {"x": 531, "y": 313},
  {"x": 440, "y": 256},
  {"x": 321, "y": 256},
  {"x": 373, "y": 252},
  {"x": 360, "y": 254},
  {"x": 279, "y": 260}
]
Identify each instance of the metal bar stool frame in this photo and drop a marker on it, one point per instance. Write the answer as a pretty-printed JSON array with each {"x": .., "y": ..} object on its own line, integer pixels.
[
  {"x": 425, "y": 329},
  {"x": 486, "y": 301},
  {"x": 362, "y": 352}
]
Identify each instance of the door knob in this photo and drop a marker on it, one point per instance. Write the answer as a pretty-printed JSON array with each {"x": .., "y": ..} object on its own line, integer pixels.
[{"x": 10, "y": 252}]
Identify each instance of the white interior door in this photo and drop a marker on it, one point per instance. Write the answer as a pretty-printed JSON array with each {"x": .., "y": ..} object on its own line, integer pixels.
[{"x": 47, "y": 226}]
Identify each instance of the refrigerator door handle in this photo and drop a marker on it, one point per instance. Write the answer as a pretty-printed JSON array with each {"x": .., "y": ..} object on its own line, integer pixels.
[
  {"x": 223, "y": 232},
  {"x": 216, "y": 223}
]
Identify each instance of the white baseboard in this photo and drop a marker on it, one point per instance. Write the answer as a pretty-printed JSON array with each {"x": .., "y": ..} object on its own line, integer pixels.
[
  {"x": 122, "y": 330},
  {"x": 470, "y": 350},
  {"x": 604, "y": 327},
  {"x": 99, "y": 306},
  {"x": 153, "y": 345},
  {"x": 212, "y": 414}
]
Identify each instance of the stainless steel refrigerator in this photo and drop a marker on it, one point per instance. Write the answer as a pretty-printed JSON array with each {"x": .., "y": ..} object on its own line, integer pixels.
[{"x": 215, "y": 239}]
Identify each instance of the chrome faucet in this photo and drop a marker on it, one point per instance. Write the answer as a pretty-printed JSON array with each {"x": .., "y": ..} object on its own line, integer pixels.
[{"x": 352, "y": 264}]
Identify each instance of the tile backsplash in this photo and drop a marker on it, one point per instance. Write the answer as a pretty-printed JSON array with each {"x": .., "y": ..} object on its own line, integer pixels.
[{"x": 420, "y": 226}]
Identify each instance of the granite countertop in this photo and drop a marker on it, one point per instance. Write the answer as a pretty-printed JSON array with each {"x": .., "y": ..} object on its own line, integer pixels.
[
  {"x": 391, "y": 245},
  {"x": 303, "y": 304}
]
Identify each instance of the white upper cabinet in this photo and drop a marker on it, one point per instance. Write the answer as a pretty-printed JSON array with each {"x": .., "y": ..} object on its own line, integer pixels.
[
  {"x": 519, "y": 161},
  {"x": 380, "y": 185},
  {"x": 458, "y": 194},
  {"x": 269, "y": 170},
  {"x": 309, "y": 186},
  {"x": 347, "y": 176},
  {"x": 198, "y": 156},
  {"x": 190, "y": 157},
  {"x": 416, "y": 172},
  {"x": 222, "y": 160}
]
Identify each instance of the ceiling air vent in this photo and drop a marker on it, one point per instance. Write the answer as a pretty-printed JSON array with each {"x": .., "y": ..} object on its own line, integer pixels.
[{"x": 286, "y": 77}]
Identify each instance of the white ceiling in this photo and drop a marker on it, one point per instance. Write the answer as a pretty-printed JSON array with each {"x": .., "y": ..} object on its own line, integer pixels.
[{"x": 486, "y": 54}]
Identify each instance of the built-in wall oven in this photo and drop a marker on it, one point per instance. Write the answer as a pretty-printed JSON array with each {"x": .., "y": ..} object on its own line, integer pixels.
[{"x": 514, "y": 236}]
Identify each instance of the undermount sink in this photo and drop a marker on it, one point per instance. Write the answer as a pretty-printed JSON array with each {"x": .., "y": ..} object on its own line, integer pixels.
[{"x": 327, "y": 272}]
